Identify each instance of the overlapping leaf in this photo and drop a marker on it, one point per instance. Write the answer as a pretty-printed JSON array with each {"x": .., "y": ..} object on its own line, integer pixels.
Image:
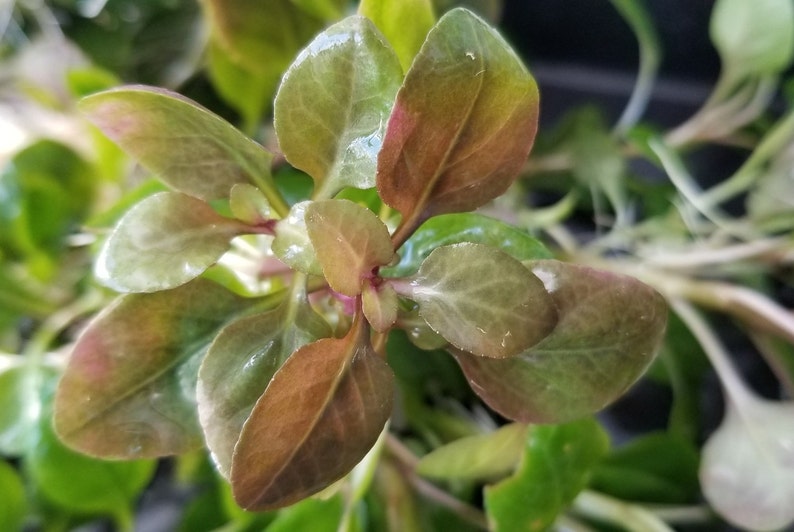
[
  {"x": 191, "y": 149},
  {"x": 405, "y": 23},
  {"x": 162, "y": 242},
  {"x": 319, "y": 416},
  {"x": 462, "y": 125},
  {"x": 129, "y": 388},
  {"x": 482, "y": 300},
  {"x": 239, "y": 365},
  {"x": 349, "y": 240},
  {"x": 292, "y": 244},
  {"x": 333, "y": 104},
  {"x": 609, "y": 329}
]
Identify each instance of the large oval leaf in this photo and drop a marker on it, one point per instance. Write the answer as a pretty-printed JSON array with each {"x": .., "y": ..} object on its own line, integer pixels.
[
  {"x": 129, "y": 388},
  {"x": 333, "y": 105},
  {"x": 164, "y": 241},
  {"x": 319, "y": 416},
  {"x": 463, "y": 123},
  {"x": 350, "y": 241},
  {"x": 191, "y": 149},
  {"x": 482, "y": 300},
  {"x": 239, "y": 365},
  {"x": 609, "y": 329}
]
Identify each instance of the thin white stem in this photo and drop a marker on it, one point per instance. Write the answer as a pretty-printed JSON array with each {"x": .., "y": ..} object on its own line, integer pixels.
[
  {"x": 631, "y": 517},
  {"x": 698, "y": 257}
]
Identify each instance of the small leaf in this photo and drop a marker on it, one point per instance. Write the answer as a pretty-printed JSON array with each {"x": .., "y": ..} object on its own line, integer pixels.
[
  {"x": 21, "y": 402},
  {"x": 482, "y": 300},
  {"x": 463, "y": 123},
  {"x": 380, "y": 305},
  {"x": 292, "y": 244},
  {"x": 350, "y": 241},
  {"x": 191, "y": 149},
  {"x": 162, "y": 242},
  {"x": 405, "y": 23},
  {"x": 321, "y": 413},
  {"x": 333, "y": 105},
  {"x": 240, "y": 363},
  {"x": 464, "y": 227},
  {"x": 248, "y": 204},
  {"x": 753, "y": 38},
  {"x": 129, "y": 388},
  {"x": 610, "y": 327},
  {"x": 566, "y": 454},
  {"x": 480, "y": 457},
  {"x": 747, "y": 465}
]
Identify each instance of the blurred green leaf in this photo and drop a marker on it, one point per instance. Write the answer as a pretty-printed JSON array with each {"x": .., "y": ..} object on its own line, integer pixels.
[
  {"x": 324, "y": 9},
  {"x": 20, "y": 397},
  {"x": 13, "y": 509},
  {"x": 482, "y": 300},
  {"x": 528, "y": 500},
  {"x": 405, "y": 23},
  {"x": 464, "y": 227},
  {"x": 609, "y": 329},
  {"x": 129, "y": 388},
  {"x": 311, "y": 514},
  {"x": 162, "y": 242}
]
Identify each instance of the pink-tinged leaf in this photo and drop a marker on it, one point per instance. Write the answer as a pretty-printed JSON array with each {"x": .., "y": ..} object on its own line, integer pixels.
[
  {"x": 333, "y": 105},
  {"x": 380, "y": 304},
  {"x": 482, "y": 300},
  {"x": 349, "y": 240},
  {"x": 129, "y": 388},
  {"x": 321, "y": 413},
  {"x": 162, "y": 242},
  {"x": 463, "y": 123},
  {"x": 610, "y": 327},
  {"x": 189, "y": 148}
]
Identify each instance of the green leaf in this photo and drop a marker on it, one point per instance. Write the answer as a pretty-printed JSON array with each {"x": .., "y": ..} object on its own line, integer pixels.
[
  {"x": 20, "y": 397},
  {"x": 481, "y": 457},
  {"x": 14, "y": 507},
  {"x": 380, "y": 305},
  {"x": 405, "y": 23},
  {"x": 163, "y": 242},
  {"x": 292, "y": 244},
  {"x": 240, "y": 363},
  {"x": 463, "y": 123},
  {"x": 482, "y": 300},
  {"x": 333, "y": 105},
  {"x": 350, "y": 242},
  {"x": 311, "y": 514},
  {"x": 82, "y": 484},
  {"x": 324, "y": 9},
  {"x": 464, "y": 227},
  {"x": 609, "y": 329},
  {"x": 655, "y": 468},
  {"x": 248, "y": 204},
  {"x": 753, "y": 38},
  {"x": 556, "y": 465},
  {"x": 321, "y": 413},
  {"x": 129, "y": 388},
  {"x": 191, "y": 149}
]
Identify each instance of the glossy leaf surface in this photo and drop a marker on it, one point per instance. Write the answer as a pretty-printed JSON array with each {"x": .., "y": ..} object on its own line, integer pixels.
[
  {"x": 747, "y": 465},
  {"x": 609, "y": 329},
  {"x": 462, "y": 125},
  {"x": 162, "y": 242},
  {"x": 479, "y": 457},
  {"x": 405, "y": 23},
  {"x": 528, "y": 500},
  {"x": 333, "y": 104},
  {"x": 240, "y": 363},
  {"x": 292, "y": 244},
  {"x": 321, "y": 413},
  {"x": 248, "y": 204},
  {"x": 129, "y": 388},
  {"x": 464, "y": 227},
  {"x": 482, "y": 300},
  {"x": 20, "y": 397},
  {"x": 349, "y": 240},
  {"x": 191, "y": 149}
]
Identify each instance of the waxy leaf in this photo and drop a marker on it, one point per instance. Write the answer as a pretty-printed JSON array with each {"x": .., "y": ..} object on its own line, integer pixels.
[
  {"x": 292, "y": 244},
  {"x": 464, "y": 227},
  {"x": 249, "y": 205},
  {"x": 405, "y": 23},
  {"x": 555, "y": 467},
  {"x": 20, "y": 397},
  {"x": 191, "y": 149},
  {"x": 463, "y": 123},
  {"x": 482, "y": 300},
  {"x": 333, "y": 104},
  {"x": 480, "y": 457},
  {"x": 129, "y": 388},
  {"x": 380, "y": 304},
  {"x": 239, "y": 365},
  {"x": 162, "y": 242},
  {"x": 321, "y": 413},
  {"x": 609, "y": 329},
  {"x": 350, "y": 241}
]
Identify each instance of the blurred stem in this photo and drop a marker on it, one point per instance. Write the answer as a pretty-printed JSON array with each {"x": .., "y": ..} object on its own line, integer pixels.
[{"x": 630, "y": 517}]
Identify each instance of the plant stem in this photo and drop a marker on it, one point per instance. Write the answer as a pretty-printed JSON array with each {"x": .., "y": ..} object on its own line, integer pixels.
[{"x": 631, "y": 517}]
